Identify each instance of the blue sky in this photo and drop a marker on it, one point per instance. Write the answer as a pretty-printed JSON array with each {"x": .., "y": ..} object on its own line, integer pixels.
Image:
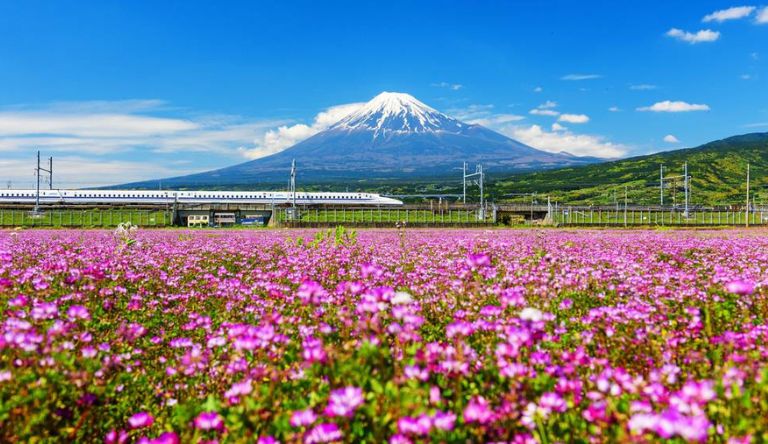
[{"x": 119, "y": 91}]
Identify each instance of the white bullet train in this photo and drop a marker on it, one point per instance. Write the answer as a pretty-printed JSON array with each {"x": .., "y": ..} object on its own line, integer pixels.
[{"x": 191, "y": 197}]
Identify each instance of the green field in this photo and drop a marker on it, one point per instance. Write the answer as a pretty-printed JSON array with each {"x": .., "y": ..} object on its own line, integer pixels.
[{"x": 84, "y": 218}]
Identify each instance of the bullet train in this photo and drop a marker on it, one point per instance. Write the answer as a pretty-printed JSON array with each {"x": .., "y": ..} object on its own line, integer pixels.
[{"x": 191, "y": 197}]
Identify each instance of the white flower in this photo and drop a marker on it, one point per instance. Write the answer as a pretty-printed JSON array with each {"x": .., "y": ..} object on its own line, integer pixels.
[
  {"x": 401, "y": 298},
  {"x": 531, "y": 314}
]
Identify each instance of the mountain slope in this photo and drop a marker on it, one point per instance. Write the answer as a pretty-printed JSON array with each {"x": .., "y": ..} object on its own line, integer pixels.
[
  {"x": 717, "y": 170},
  {"x": 394, "y": 136}
]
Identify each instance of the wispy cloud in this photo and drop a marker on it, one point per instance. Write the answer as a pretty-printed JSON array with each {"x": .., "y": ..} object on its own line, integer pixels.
[
  {"x": 734, "y": 13},
  {"x": 73, "y": 171},
  {"x": 121, "y": 135},
  {"x": 669, "y": 106},
  {"x": 573, "y": 118},
  {"x": 545, "y": 109},
  {"x": 642, "y": 87},
  {"x": 479, "y": 114},
  {"x": 573, "y": 77},
  {"x": 704, "y": 35},
  {"x": 544, "y": 112},
  {"x": 451, "y": 86},
  {"x": 762, "y": 16},
  {"x": 614, "y": 109},
  {"x": 756, "y": 125},
  {"x": 669, "y": 138}
]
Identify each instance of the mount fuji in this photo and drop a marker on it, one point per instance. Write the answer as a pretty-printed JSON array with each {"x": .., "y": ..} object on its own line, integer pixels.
[{"x": 393, "y": 136}]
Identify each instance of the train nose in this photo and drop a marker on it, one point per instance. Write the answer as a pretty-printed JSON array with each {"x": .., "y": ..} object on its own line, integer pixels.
[{"x": 390, "y": 201}]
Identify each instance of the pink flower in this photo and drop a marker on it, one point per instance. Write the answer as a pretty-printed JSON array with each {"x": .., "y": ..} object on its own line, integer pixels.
[
  {"x": 322, "y": 433},
  {"x": 165, "y": 438},
  {"x": 476, "y": 261},
  {"x": 301, "y": 418},
  {"x": 209, "y": 421},
  {"x": 140, "y": 420},
  {"x": 78, "y": 312},
  {"x": 115, "y": 437},
  {"x": 478, "y": 411},
  {"x": 444, "y": 420},
  {"x": 344, "y": 402},
  {"x": 740, "y": 287}
]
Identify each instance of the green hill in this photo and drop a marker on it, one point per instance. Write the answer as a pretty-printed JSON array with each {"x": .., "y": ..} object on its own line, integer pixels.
[{"x": 718, "y": 171}]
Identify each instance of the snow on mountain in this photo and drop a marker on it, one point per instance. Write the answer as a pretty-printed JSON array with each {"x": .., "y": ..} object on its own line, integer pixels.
[
  {"x": 393, "y": 136},
  {"x": 391, "y": 112}
]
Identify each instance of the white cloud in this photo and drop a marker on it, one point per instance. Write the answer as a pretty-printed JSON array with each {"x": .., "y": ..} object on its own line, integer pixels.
[
  {"x": 669, "y": 106},
  {"x": 451, "y": 86},
  {"x": 561, "y": 139},
  {"x": 89, "y": 125},
  {"x": 745, "y": 77},
  {"x": 580, "y": 77},
  {"x": 574, "y": 118},
  {"x": 642, "y": 87},
  {"x": 762, "y": 18},
  {"x": 496, "y": 119},
  {"x": 538, "y": 89},
  {"x": 545, "y": 109},
  {"x": 557, "y": 127},
  {"x": 543, "y": 112},
  {"x": 483, "y": 115},
  {"x": 278, "y": 139},
  {"x": 74, "y": 171},
  {"x": 669, "y": 138},
  {"x": 614, "y": 109},
  {"x": 704, "y": 35},
  {"x": 734, "y": 13}
]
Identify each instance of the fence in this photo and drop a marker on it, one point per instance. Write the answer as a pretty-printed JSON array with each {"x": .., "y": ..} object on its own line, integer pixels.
[
  {"x": 657, "y": 217},
  {"x": 382, "y": 216},
  {"x": 85, "y": 218}
]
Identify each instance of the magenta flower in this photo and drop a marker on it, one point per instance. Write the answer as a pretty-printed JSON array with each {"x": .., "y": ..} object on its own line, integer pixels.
[
  {"x": 165, "y": 438},
  {"x": 321, "y": 433},
  {"x": 116, "y": 437},
  {"x": 444, "y": 420},
  {"x": 209, "y": 421},
  {"x": 140, "y": 420},
  {"x": 78, "y": 312},
  {"x": 478, "y": 411},
  {"x": 344, "y": 402},
  {"x": 301, "y": 418},
  {"x": 480, "y": 260},
  {"x": 740, "y": 287}
]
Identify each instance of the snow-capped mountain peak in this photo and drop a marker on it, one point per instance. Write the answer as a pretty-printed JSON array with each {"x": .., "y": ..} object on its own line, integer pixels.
[{"x": 391, "y": 112}]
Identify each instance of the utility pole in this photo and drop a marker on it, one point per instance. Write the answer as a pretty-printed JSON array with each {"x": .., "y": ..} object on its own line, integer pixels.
[
  {"x": 625, "y": 206},
  {"x": 37, "y": 176},
  {"x": 293, "y": 184},
  {"x": 50, "y": 173},
  {"x": 482, "y": 176},
  {"x": 661, "y": 185},
  {"x": 746, "y": 211},
  {"x": 480, "y": 181},
  {"x": 464, "y": 181},
  {"x": 685, "y": 182}
]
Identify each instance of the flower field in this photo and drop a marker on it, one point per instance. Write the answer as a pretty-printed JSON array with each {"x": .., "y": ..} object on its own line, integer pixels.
[{"x": 383, "y": 336}]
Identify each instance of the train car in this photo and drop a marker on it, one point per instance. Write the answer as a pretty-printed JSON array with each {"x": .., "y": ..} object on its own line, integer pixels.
[{"x": 117, "y": 197}]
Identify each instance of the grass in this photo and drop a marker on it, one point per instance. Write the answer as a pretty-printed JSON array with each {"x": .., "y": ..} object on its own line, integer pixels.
[
  {"x": 84, "y": 218},
  {"x": 385, "y": 216}
]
